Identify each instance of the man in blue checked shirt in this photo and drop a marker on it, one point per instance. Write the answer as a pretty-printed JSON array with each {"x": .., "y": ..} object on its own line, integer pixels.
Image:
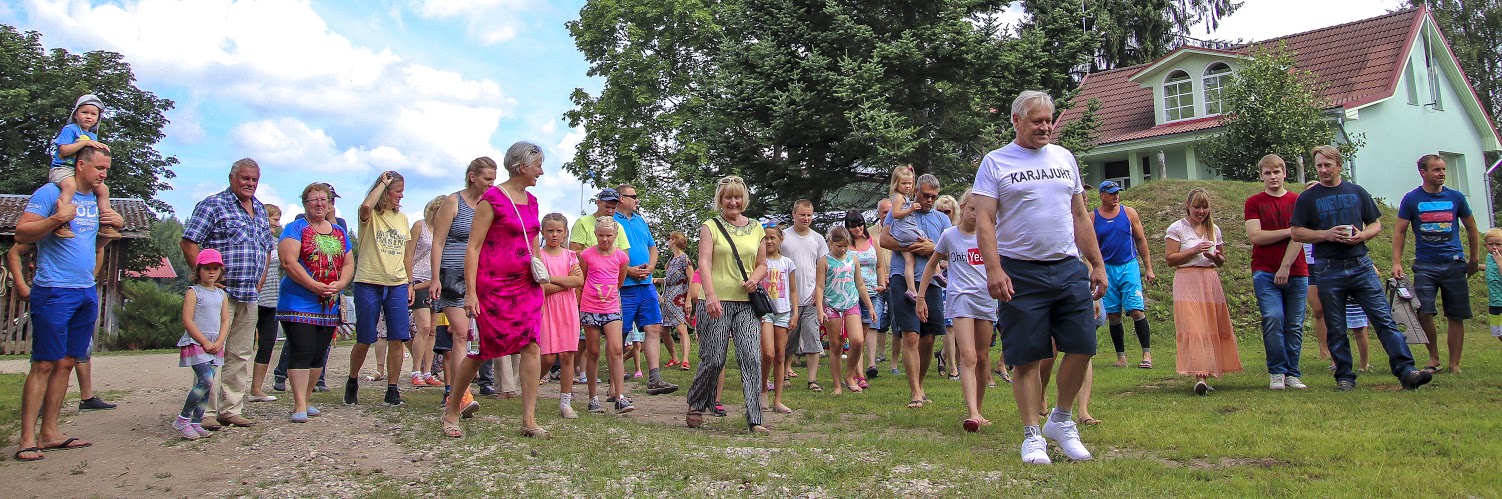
[{"x": 234, "y": 222}]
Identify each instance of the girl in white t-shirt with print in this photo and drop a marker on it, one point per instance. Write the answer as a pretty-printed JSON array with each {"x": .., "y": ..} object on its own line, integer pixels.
[
  {"x": 782, "y": 288},
  {"x": 969, "y": 304}
]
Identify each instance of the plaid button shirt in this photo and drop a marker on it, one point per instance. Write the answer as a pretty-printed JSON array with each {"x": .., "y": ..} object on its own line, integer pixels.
[{"x": 218, "y": 222}]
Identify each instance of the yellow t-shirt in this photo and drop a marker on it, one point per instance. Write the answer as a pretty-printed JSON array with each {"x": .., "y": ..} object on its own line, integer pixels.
[
  {"x": 724, "y": 274},
  {"x": 380, "y": 258},
  {"x": 584, "y": 233}
]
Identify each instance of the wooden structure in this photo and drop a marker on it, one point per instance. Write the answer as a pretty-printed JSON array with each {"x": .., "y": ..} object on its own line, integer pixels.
[{"x": 15, "y": 313}]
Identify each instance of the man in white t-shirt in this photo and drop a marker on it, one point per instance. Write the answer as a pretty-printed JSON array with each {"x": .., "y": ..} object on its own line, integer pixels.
[
  {"x": 805, "y": 246},
  {"x": 1031, "y": 191}
]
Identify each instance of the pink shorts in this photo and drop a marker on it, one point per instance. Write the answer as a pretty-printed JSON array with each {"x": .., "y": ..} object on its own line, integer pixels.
[{"x": 832, "y": 313}]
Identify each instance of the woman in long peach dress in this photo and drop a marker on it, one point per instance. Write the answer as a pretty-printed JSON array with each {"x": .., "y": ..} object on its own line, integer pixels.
[{"x": 1201, "y": 319}]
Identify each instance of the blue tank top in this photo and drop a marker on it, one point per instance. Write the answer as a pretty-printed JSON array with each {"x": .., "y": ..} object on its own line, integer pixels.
[{"x": 1115, "y": 237}]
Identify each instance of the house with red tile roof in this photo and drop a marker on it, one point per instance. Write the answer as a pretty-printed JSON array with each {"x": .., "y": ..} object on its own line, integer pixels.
[{"x": 1391, "y": 78}]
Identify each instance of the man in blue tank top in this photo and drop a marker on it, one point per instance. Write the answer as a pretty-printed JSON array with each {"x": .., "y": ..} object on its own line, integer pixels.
[{"x": 1122, "y": 240}]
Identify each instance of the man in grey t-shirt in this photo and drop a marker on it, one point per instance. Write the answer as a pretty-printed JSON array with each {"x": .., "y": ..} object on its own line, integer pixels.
[{"x": 805, "y": 246}]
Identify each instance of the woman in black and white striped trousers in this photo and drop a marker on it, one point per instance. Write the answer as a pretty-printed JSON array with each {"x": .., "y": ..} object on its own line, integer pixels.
[{"x": 726, "y": 311}]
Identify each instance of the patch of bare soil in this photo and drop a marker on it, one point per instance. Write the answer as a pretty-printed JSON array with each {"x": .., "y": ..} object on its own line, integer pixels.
[{"x": 136, "y": 453}]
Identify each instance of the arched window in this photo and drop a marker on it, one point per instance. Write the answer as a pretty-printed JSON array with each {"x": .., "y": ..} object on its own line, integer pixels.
[
  {"x": 1216, "y": 77},
  {"x": 1178, "y": 96}
]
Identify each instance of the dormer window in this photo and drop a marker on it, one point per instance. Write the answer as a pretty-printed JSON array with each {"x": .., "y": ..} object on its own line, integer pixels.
[
  {"x": 1178, "y": 96},
  {"x": 1216, "y": 77}
]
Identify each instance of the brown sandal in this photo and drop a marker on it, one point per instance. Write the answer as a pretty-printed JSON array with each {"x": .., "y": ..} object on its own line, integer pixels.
[
  {"x": 694, "y": 419},
  {"x": 452, "y": 430},
  {"x": 535, "y": 431}
]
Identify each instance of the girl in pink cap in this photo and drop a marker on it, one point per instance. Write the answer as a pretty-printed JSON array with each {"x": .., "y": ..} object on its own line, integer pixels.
[{"x": 205, "y": 316}]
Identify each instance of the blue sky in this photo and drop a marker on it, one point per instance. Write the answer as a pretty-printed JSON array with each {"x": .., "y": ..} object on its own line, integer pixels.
[{"x": 339, "y": 91}]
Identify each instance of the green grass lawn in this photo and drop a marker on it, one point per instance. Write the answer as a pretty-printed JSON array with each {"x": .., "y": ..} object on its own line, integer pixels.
[{"x": 1158, "y": 439}]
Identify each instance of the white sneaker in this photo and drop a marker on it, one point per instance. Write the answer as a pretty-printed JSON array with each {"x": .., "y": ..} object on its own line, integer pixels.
[
  {"x": 1294, "y": 382},
  {"x": 567, "y": 411},
  {"x": 1276, "y": 382},
  {"x": 1068, "y": 437},
  {"x": 1035, "y": 450}
]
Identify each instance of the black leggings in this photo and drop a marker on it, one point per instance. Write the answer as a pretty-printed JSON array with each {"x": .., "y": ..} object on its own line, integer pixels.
[
  {"x": 307, "y": 343},
  {"x": 265, "y": 334}
]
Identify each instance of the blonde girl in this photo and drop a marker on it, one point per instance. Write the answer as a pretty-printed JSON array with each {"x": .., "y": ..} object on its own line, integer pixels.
[
  {"x": 604, "y": 271},
  {"x": 201, "y": 347},
  {"x": 969, "y": 304},
  {"x": 904, "y": 227},
  {"x": 560, "y": 310},
  {"x": 1201, "y": 319},
  {"x": 419, "y": 256},
  {"x": 841, "y": 291},
  {"x": 1494, "y": 281},
  {"x": 782, "y": 287}
]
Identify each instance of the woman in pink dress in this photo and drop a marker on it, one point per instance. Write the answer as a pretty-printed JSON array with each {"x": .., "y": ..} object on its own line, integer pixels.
[
  {"x": 560, "y": 310},
  {"x": 506, "y": 301}
]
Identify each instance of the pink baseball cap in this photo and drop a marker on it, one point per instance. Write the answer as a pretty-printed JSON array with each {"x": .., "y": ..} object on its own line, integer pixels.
[{"x": 210, "y": 256}]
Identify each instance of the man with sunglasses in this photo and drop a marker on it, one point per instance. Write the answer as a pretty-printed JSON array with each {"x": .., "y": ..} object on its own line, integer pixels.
[
  {"x": 917, "y": 336},
  {"x": 639, "y": 304}
]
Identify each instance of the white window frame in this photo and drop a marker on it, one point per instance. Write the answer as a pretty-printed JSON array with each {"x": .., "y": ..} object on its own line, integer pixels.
[
  {"x": 1178, "y": 96},
  {"x": 1214, "y": 81}
]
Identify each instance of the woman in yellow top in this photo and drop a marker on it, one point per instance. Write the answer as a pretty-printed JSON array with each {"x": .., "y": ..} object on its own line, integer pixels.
[
  {"x": 381, "y": 283},
  {"x": 726, "y": 311}
]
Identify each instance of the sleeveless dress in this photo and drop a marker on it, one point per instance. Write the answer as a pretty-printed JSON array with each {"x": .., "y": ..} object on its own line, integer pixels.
[
  {"x": 867, "y": 260},
  {"x": 422, "y": 258},
  {"x": 510, "y": 300},
  {"x": 675, "y": 291},
  {"x": 206, "y": 312},
  {"x": 560, "y": 311}
]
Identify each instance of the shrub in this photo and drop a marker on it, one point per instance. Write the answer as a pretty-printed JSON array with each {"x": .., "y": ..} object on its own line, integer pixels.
[{"x": 150, "y": 317}]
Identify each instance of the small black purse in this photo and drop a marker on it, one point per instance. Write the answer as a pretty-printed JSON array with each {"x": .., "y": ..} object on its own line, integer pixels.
[{"x": 761, "y": 304}]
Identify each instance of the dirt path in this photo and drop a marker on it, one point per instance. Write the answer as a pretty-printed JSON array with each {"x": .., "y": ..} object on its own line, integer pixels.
[{"x": 136, "y": 453}]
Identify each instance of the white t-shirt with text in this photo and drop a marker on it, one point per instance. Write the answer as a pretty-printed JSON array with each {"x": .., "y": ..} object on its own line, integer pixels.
[
  {"x": 967, "y": 273},
  {"x": 1035, "y": 189}
]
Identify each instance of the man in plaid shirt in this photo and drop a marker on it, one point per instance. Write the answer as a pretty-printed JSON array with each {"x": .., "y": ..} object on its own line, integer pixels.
[{"x": 234, "y": 222}]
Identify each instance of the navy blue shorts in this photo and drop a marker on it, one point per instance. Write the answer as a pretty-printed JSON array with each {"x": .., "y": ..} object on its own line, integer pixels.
[
  {"x": 1052, "y": 307},
  {"x": 905, "y": 313},
  {"x": 1442, "y": 281},
  {"x": 62, "y": 322},
  {"x": 372, "y": 300}
]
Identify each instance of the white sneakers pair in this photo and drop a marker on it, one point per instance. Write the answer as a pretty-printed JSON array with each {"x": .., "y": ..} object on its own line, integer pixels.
[
  {"x": 1066, "y": 434},
  {"x": 1280, "y": 381}
]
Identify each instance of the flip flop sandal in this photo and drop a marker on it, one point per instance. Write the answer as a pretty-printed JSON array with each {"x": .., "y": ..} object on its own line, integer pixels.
[
  {"x": 1090, "y": 421},
  {"x": 1432, "y": 369},
  {"x": 792, "y": 374},
  {"x": 861, "y": 382},
  {"x": 67, "y": 444},
  {"x": 814, "y": 386},
  {"x": 914, "y": 404},
  {"x": 1146, "y": 364},
  {"x": 972, "y": 425},
  {"x": 33, "y": 450},
  {"x": 535, "y": 431}
]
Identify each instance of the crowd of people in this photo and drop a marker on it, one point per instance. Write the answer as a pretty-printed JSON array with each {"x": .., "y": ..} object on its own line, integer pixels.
[{"x": 485, "y": 283}]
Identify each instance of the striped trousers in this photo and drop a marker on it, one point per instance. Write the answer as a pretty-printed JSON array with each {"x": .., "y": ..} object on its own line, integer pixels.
[{"x": 740, "y": 322}]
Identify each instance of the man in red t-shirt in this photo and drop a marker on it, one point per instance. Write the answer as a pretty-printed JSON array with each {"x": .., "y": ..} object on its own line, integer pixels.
[{"x": 1280, "y": 278}]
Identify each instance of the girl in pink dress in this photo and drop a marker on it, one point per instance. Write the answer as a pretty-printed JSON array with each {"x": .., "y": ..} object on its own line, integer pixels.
[
  {"x": 560, "y": 310},
  {"x": 503, "y": 297}
]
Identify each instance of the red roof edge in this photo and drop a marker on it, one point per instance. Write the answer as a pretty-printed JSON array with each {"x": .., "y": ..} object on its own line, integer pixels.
[
  {"x": 1392, "y": 81},
  {"x": 1445, "y": 42}
]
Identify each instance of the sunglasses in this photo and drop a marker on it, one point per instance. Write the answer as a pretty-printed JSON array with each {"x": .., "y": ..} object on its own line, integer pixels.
[
  {"x": 946, "y": 212},
  {"x": 632, "y": 196}
]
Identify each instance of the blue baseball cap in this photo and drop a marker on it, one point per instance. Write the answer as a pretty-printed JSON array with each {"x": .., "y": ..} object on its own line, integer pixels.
[
  {"x": 1109, "y": 187},
  {"x": 608, "y": 194}
]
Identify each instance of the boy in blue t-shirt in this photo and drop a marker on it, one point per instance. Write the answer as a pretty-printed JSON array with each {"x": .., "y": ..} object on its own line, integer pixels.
[{"x": 82, "y": 130}]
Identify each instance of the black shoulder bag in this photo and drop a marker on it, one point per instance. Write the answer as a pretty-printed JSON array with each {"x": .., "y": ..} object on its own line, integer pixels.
[{"x": 761, "y": 304}]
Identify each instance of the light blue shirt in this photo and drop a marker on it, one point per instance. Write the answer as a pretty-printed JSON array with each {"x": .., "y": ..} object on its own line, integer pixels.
[
  {"x": 66, "y": 263},
  {"x": 642, "y": 244}
]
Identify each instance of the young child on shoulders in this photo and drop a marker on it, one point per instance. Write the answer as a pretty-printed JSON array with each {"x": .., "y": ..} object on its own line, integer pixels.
[
  {"x": 905, "y": 226},
  {"x": 205, "y": 316},
  {"x": 604, "y": 270},
  {"x": 782, "y": 287},
  {"x": 560, "y": 310},
  {"x": 81, "y": 131}
]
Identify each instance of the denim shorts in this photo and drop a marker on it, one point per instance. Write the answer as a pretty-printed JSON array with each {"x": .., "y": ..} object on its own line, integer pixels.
[
  {"x": 782, "y": 320},
  {"x": 374, "y": 300},
  {"x": 1445, "y": 281}
]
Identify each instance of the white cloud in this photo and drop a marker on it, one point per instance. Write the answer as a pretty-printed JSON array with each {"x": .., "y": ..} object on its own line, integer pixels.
[
  {"x": 279, "y": 57},
  {"x": 1266, "y": 19},
  {"x": 489, "y": 21}
]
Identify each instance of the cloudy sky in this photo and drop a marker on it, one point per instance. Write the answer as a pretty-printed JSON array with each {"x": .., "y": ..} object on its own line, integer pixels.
[{"x": 339, "y": 91}]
